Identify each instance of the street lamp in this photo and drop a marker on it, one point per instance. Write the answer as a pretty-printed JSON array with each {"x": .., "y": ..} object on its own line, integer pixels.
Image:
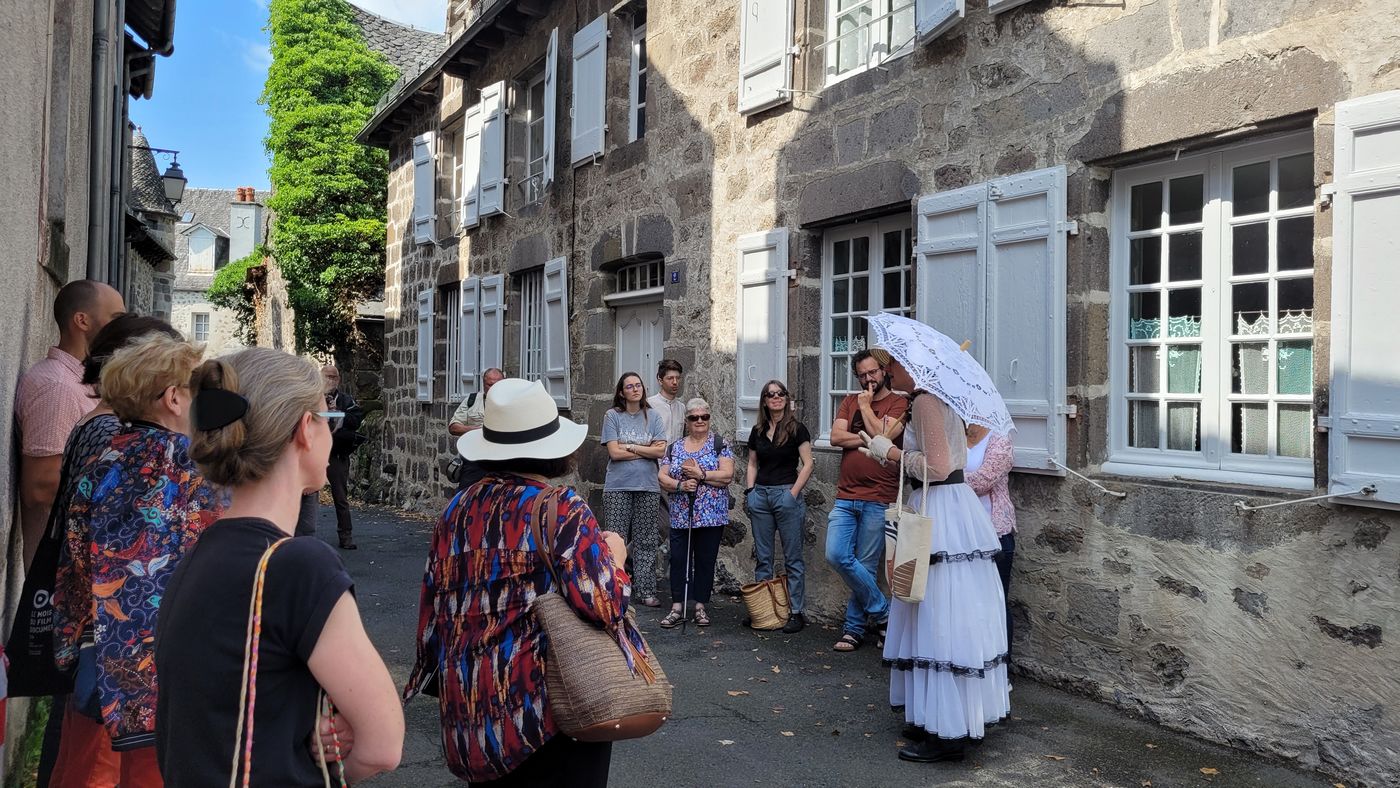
[{"x": 174, "y": 178}]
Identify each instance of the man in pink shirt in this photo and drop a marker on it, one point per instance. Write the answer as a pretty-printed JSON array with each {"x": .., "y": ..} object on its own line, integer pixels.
[{"x": 51, "y": 398}]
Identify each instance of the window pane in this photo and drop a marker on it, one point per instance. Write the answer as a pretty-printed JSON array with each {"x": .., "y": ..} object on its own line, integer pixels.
[
  {"x": 1184, "y": 369},
  {"x": 841, "y": 378},
  {"x": 1143, "y": 372},
  {"x": 1184, "y": 312},
  {"x": 1251, "y": 194},
  {"x": 840, "y": 295},
  {"x": 642, "y": 88},
  {"x": 1251, "y": 305},
  {"x": 1295, "y": 243},
  {"x": 1250, "y": 249},
  {"x": 840, "y": 335},
  {"x": 1184, "y": 426},
  {"x": 1187, "y": 198},
  {"x": 536, "y": 145},
  {"x": 1295, "y": 369},
  {"x": 1147, "y": 206},
  {"x": 641, "y": 54},
  {"x": 1184, "y": 259},
  {"x": 860, "y": 294},
  {"x": 841, "y": 257},
  {"x": 641, "y": 121},
  {"x": 1250, "y": 369},
  {"x": 1144, "y": 316},
  {"x": 1295, "y": 431},
  {"x": 1145, "y": 263},
  {"x": 859, "y": 332},
  {"x": 1295, "y": 181},
  {"x": 1142, "y": 424},
  {"x": 860, "y": 254},
  {"x": 1295, "y": 304},
  {"x": 893, "y": 297},
  {"x": 895, "y": 252},
  {"x": 1250, "y": 433}
]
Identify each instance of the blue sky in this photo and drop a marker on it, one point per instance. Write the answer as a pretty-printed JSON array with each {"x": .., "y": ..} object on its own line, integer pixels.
[{"x": 205, "y": 103}]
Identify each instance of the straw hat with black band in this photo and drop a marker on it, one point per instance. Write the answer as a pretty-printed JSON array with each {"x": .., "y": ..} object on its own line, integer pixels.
[{"x": 521, "y": 421}]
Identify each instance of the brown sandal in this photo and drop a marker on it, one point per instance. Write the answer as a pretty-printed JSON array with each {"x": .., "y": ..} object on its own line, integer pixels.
[
  {"x": 702, "y": 619},
  {"x": 671, "y": 620}
]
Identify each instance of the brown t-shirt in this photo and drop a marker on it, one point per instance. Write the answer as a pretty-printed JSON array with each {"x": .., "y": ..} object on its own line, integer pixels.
[{"x": 862, "y": 479}]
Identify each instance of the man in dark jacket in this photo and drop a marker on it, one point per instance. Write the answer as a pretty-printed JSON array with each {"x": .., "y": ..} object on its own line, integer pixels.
[{"x": 344, "y": 439}]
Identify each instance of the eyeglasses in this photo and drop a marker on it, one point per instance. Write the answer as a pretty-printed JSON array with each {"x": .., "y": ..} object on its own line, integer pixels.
[
  {"x": 329, "y": 414},
  {"x": 775, "y": 394},
  {"x": 698, "y": 417},
  {"x": 633, "y": 387},
  {"x": 872, "y": 373}
]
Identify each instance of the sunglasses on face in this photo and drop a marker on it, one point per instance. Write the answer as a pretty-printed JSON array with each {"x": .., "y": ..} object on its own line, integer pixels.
[
  {"x": 775, "y": 394},
  {"x": 698, "y": 417}
]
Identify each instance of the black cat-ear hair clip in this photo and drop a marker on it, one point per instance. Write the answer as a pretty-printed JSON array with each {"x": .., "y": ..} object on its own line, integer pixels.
[{"x": 217, "y": 408}]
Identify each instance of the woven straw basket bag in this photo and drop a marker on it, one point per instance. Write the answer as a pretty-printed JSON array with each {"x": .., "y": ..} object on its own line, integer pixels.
[
  {"x": 593, "y": 694},
  {"x": 768, "y": 602}
]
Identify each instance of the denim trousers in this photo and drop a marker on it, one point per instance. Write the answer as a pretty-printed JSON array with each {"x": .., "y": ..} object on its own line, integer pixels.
[
  {"x": 855, "y": 543},
  {"x": 774, "y": 509}
]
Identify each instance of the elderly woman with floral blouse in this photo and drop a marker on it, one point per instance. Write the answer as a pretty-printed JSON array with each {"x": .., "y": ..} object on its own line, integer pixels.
[{"x": 696, "y": 471}]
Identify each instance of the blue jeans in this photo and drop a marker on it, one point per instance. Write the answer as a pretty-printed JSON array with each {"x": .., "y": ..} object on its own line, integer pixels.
[
  {"x": 772, "y": 508},
  {"x": 855, "y": 543}
]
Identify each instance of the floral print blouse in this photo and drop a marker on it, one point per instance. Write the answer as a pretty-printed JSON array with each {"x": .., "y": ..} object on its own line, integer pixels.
[
  {"x": 477, "y": 640},
  {"x": 709, "y": 506},
  {"x": 135, "y": 511}
]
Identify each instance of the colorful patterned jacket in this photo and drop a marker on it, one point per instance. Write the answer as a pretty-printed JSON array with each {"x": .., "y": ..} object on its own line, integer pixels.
[
  {"x": 135, "y": 511},
  {"x": 476, "y": 637}
]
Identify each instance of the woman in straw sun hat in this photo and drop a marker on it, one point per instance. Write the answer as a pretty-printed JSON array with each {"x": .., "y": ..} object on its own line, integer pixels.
[{"x": 480, "y": 649}]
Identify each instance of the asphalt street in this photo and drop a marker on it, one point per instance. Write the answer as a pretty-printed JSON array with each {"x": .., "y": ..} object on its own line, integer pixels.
[{"x": 771, "y": 709}]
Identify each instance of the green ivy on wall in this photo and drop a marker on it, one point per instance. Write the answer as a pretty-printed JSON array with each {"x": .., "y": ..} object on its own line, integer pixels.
[{"x": 328, "y": 191}]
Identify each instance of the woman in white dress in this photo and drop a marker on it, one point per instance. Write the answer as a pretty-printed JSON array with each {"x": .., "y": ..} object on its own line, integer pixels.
[{"x": 947, "y": 654}]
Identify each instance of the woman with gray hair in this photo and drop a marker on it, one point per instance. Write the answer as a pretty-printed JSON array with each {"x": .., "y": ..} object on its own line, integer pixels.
[{"x": 696, "y": 471}]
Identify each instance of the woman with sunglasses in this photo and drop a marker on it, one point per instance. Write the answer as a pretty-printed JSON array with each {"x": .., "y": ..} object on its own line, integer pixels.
[
  {"x": 635, "y": 438},
  {"x": 696, "y": 471},
  {"x": 135, "y": 512},
  {"x": 780, "y": 463}
]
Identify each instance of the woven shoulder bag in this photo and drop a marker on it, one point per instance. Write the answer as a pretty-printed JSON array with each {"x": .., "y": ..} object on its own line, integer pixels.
[
  {"x": 908, "y": 540},
  {"x": 594, "y": 694},
  {"x": 248, "y": 694}
]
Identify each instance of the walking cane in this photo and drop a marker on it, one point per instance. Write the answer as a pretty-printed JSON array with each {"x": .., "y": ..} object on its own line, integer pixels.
[{"x": 689, "y": 566}]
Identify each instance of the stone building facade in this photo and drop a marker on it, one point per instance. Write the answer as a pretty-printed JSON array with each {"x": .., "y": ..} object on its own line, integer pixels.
[
  {"x": 1128, "y": 208},
  {"x": 70, "y": 71},
  {"x": 216, "y": 227}
]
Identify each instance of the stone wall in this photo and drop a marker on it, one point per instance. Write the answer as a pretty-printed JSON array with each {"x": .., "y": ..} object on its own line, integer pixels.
[
  {"x": 1263, "y": 630},
  {"x": 223, "y": 325}
]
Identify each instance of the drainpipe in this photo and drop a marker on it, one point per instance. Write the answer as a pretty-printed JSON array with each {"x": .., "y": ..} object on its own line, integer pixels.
[{"x": 99, "y": 139}]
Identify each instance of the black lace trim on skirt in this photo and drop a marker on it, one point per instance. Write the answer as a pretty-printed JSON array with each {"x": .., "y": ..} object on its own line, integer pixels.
[
  {"x": 946, "y": 557},
  {"x": 922, "y": 663}
]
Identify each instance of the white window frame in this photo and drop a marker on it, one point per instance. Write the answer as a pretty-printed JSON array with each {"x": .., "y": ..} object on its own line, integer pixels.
[
  {"x": 1214, "y": 461},
  {"x": 532, "y": 340},
  {"x": 452, "y": 142},
  {"x": 194, "y": 326},
  {"x": 452, "y": 307},
  {"x": 205, "y": 259},
  {"x": 636, "y": 112},
  {"x": 534, "y": 116},
  {"x": 875, "y": 230},
  {"x": 876, "y": 34}
]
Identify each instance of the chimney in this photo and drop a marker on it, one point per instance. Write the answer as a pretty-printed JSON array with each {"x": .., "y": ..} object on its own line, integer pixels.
[{"x": 245, "y": 223}]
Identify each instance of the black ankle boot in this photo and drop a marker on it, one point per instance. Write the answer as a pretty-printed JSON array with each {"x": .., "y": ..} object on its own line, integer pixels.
[
  {"x": 912, "y": 732},
  {"x": 932, "y": 750}
]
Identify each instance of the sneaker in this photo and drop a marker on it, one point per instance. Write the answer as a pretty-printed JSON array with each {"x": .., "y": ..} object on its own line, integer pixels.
[{"x": 794, "y": 624}]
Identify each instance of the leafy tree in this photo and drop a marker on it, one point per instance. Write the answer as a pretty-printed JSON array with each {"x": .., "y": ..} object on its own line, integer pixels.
[
  {"x": 231, "y": 290},
  {"x": 328, "y": 191}
]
